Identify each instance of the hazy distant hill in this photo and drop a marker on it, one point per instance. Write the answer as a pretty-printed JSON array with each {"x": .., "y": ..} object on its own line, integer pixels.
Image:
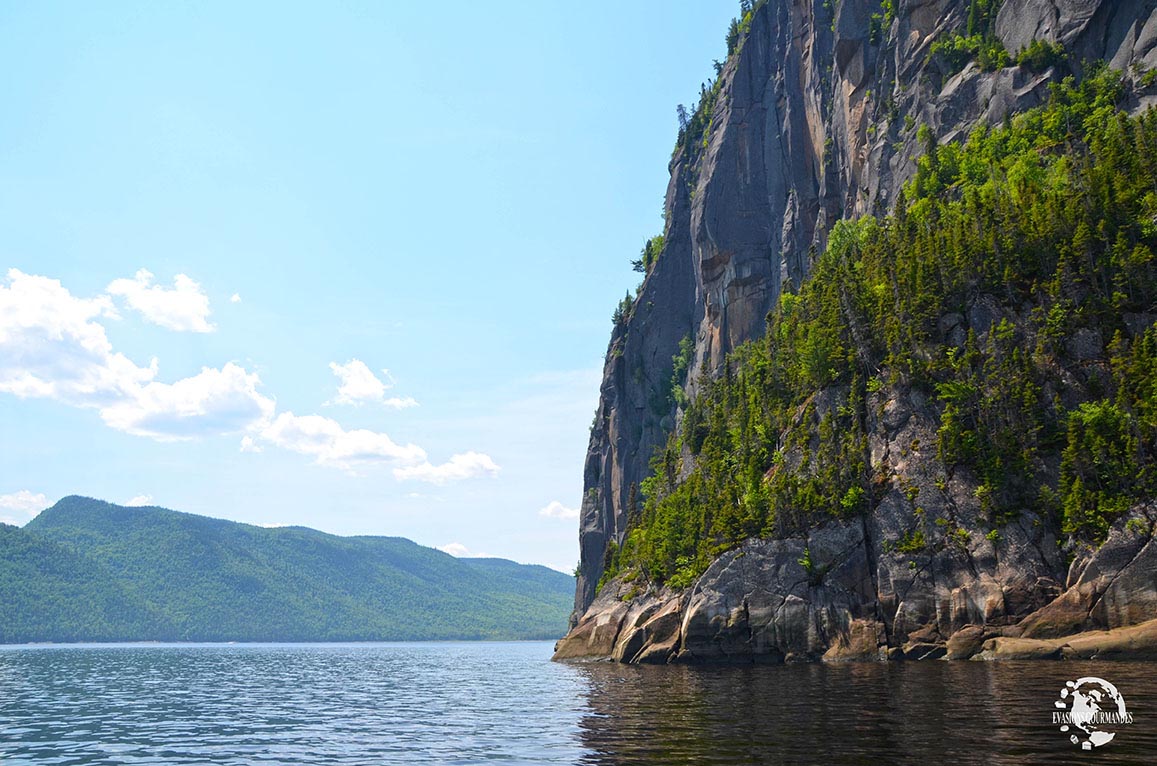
[{"x": 89, "y": 570}]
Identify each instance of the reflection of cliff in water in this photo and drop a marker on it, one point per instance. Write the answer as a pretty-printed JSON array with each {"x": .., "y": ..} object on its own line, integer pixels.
[{"x": 856, "y": 713}]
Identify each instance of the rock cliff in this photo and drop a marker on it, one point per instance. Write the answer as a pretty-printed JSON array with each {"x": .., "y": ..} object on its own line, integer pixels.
[{"x": 813, "y": 119}]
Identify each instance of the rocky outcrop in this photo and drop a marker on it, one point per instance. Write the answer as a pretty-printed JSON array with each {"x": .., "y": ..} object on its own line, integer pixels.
[
  {"x": 1136, "y": 642},
  {"x": 626, "y": 627},
  {"x": 923, "y": 568},
  {"x": 816, "y": 120},
  {"x": 853, "y": 596},
  {"x": 1123, "y": 32},
  {"x": 1111, "y": 587}
]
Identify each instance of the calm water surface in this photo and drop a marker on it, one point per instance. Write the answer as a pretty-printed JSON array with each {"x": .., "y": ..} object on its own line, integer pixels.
[{"x": 465, "y": 703}]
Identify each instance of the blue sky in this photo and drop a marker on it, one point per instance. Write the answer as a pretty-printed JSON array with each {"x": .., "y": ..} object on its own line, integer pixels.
[{"x": 221, "y": 224}]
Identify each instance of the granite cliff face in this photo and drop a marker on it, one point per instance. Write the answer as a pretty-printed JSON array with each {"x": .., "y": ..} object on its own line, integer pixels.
[{"x": 815, "y": 121}]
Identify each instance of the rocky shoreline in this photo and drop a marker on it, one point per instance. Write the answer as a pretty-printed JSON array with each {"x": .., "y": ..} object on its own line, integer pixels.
[
  {"x": 857, "y": 601},
  {"x": 974, "y": 642}
]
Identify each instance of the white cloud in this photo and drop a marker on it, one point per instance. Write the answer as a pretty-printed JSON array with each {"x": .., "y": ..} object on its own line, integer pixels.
[
  {"x": 400, "y": 402},
  {"x": 556, "y": 510},
  {"x": 21, "y": 506},
  {"x": 359, "y": 385},
  {"x": 467, "y": 465},
  {"x": 330, "y": 444},
  {"x": 184, "y": 307},
  {"x": 235, "y": 298},
  {"x": 51, "y": 346},
  {"x": 460, "y": 551},
  {"x": 24, "y": 500},
  {"x": 140, "y": 501},
  {"x": 354, "y": 450},
  {"x": 208, "y": 403}
]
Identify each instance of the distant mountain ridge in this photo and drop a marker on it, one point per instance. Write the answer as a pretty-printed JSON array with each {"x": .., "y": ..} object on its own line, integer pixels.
[{"x": 88, "y": 570}]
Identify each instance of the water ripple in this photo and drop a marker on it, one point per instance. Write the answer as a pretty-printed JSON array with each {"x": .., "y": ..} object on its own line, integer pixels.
[{"x": 506, "y": 703}]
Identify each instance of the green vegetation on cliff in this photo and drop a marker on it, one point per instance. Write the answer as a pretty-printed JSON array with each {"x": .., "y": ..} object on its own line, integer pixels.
[
  {"x": 695, "y": 126},
  {"x": 85, "y": 570},
  {"x": 976, "y": 41},
  {"x": 1014, "y": 285}
]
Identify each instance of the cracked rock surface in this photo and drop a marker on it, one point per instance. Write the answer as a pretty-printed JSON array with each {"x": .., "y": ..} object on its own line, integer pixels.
[{"x": 816, "y": 121}]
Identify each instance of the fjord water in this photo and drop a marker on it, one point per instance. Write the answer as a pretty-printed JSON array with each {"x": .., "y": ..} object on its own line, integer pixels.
[{"x": 465, "y": 703}]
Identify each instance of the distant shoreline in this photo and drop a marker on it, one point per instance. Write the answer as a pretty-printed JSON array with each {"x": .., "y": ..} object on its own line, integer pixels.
[
  {"x": 87, "y": 571},
  {"x": 252, "y": 644}
]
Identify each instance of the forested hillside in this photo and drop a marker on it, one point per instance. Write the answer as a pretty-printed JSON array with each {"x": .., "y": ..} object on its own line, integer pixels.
[
  {"x": 1047, "y": 225},
  {"x": 85, "y": 570}
]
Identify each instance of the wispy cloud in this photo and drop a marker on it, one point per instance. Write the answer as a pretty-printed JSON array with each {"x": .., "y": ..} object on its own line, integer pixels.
[
  {"x": 330, "y": 444},
  {"x": 556, "y": 510},
  {"x": 53, "y": 346},
  {"x": 20, "y": 506},
  {"x": 468, "y": 465},
  {"x": 460, "y": 551},
  {"x": 139, "y": 501},
  {"x": 359, "y": 385},
  {"x": 184, "y": 307}
]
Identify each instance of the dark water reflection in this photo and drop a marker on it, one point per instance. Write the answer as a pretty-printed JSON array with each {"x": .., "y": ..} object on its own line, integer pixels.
[
  {"x": 955, "y": 713},
  {"x": 507, "y": 703}
]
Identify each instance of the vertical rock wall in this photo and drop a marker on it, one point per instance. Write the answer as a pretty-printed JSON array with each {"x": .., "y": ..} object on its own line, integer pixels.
[{"x": 815, "y": 121}]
